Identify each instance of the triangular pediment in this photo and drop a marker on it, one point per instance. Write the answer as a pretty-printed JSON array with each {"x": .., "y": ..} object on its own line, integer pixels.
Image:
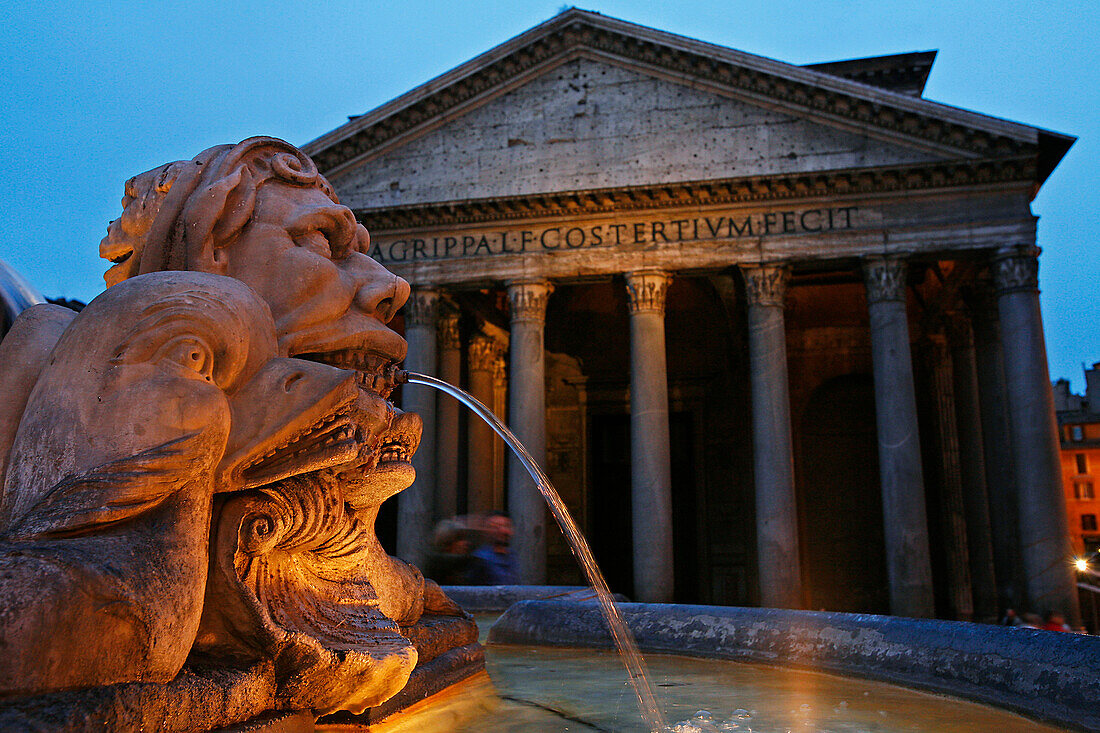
[
  {"x": 593, "y": 124},
  {"x": 534, "y": 114}
]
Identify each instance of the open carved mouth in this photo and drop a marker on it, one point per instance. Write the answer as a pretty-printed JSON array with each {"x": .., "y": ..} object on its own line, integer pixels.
[
  {"x": 330, "y": 441},
  {"x": 118, "y": 260},
  {"x": 395, "y": 450},
  {"x": 375, "y": 372}
]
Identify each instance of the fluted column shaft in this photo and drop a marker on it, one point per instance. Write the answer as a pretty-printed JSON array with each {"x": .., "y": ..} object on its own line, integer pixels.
[
  {"x": 1044, "y": 533},
  {"x": 773, "y": 456},
  {"x": 951, "y": 504},
  {"x": 983, "y": 576},
  {"x": 905, "y": 521},
  {"x": 484, "y": 352},
  {"x": 527, "y": 417},
  {"x": 447, "y": 414},
  {"x": 415, "y": 504},
  {"x": 499, "y": 406},
  {"x": 650, "y": 463}
]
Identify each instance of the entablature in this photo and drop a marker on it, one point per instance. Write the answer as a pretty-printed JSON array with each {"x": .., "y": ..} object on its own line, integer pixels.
[
  {"x": 746, "y": 189},
  {"x": 700, "y": 236}
]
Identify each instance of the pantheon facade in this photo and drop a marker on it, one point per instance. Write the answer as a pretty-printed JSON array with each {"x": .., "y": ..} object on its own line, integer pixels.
[{"x": 773, "y": 330}]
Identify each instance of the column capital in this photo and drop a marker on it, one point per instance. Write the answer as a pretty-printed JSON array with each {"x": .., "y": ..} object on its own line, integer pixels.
[
  {"x": 447, "y": 325},
  {"x": 766, "y": 284},
  {"x": 884, "y": 278},
  {"x": 1015, "y": 269},
  {"x": 421, "y": 307},
  {"x": 484, "y": 352},
  {"x": 500, "y": 369},
  {"x": 646, "y": 290},
  {"x": 527, "y": 299}
]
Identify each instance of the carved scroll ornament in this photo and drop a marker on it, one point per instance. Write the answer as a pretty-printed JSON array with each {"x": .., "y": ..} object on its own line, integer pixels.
[
  {"x": 766, "y": 285},
  {"x": 647, "y": 290},
  {"x": 170, "y": 433},
  {"x": 527, "y": 300},
  {"x": 422, "y": 308},
  {"x": 884, "y": 278},
  {"x": 1015, "y": 270}
]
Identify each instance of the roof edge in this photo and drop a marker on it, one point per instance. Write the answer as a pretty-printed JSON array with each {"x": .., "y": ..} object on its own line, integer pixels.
[{"x": 1054, "y": 144}]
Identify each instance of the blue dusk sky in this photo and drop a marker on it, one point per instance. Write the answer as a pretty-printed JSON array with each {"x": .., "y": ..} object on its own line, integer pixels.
[{"x": 94, "y": 93}]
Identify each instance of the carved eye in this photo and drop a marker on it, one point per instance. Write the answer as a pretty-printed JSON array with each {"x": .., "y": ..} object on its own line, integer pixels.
[{"x": 191, "y": 354}]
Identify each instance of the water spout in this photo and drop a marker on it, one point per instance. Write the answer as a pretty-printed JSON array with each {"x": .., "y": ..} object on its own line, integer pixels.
[{"x": 620, "y": 632}]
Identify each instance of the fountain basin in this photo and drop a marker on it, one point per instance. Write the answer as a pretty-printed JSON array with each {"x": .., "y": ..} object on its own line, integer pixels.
[
  {"x": 479, "y": 599},
  {"x": 1043, "y": 675}
]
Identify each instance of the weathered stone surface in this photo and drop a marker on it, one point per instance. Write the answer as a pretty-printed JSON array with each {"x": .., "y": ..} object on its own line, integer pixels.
[
  {"x": 109, "y": 487},
  {"x": 1043, "y": 532},
  {"x": 1043, "y": 674},
  {"x": 427, "y": 679},
  {"x": 487, "y": 598},
  {"x": 168, "y": 433},
  {"x": 198, "y": 699},
  {"x": 527, "y": 302},
  {"x": 902, "y": 477},
  {"x": 650, "y": 462},
  {"x": 23, "y": 353},
  {"x": 415, "y": 507},
  {"x": 773, "y": 457},
  {"x": 541, "y": 137}
]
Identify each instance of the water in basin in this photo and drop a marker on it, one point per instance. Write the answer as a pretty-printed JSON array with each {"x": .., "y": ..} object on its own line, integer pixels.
[{"x": 540, "y": 689}]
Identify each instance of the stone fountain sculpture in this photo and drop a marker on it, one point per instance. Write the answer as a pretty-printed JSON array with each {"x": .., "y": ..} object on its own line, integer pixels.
[{"x": 192, "y": 468}]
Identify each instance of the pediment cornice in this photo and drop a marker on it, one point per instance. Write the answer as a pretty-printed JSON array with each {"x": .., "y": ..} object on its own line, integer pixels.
[
  {"x": 754, "y": 189},
  {"x": 794, "y": 89}
]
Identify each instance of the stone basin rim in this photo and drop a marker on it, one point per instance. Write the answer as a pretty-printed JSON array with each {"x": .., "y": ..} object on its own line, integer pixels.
[{"x": 1043, "y": 675}]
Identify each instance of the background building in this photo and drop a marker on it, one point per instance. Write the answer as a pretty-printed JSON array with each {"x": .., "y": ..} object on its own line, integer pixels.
[
  {"x": 774, "y": 330},
  {"x": 1079, "y": 429}
]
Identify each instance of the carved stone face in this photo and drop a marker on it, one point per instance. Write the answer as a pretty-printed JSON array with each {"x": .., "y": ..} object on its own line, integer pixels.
[
  {"x": 303, "y": 253},
  {"x": 141, "y": 367},
  {"x": 261, "y": 213}
]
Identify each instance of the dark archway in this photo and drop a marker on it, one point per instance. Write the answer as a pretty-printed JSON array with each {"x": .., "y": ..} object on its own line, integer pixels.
[{"x": 840, "y": 503}]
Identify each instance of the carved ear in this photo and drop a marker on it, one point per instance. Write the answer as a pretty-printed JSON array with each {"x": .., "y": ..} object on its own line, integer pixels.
[{"x": 219, "y": 215}]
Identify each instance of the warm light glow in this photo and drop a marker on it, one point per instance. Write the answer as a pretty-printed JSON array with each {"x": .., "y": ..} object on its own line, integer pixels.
[{"x": 1081, "y": 564}]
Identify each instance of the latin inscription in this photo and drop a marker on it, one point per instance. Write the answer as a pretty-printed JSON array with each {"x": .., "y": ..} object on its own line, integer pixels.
[{"x": 640, "y": 233}]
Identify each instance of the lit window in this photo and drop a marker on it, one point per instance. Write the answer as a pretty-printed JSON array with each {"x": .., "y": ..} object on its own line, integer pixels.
[
  {"x": 1082, "y": 464},
  {"x": 1078, "y": 433},
  {"x": 1083, "y": 490},
  {"x": 1088, "y": 522}
]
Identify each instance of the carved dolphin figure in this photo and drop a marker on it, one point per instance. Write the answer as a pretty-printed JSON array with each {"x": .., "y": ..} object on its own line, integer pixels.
[{"x": 104, "y": 550}]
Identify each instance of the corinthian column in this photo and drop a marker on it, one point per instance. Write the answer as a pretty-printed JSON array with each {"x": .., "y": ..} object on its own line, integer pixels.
[
  {"x": 527, "y": 417},
  {"x": 1044, "y": 534},
  {"x": 1000, "y": 466},
  {"x": 650, "y": 467},
  {"x": 484, "y": 353},
  {"x": 414, "y": 506},
  {"x": 952, "y": 512},
  {"x": 905, "y": 522},
  {"x": 446, "y": 430},
  {"x": 773, "y": 458}
]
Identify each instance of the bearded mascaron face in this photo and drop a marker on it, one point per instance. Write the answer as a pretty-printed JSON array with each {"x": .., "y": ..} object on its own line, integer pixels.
[{"x": 305, "y": 255}]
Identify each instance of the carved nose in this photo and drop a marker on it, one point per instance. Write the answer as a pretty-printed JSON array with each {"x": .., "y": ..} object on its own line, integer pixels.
[{"x": 382, "y": 297}]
